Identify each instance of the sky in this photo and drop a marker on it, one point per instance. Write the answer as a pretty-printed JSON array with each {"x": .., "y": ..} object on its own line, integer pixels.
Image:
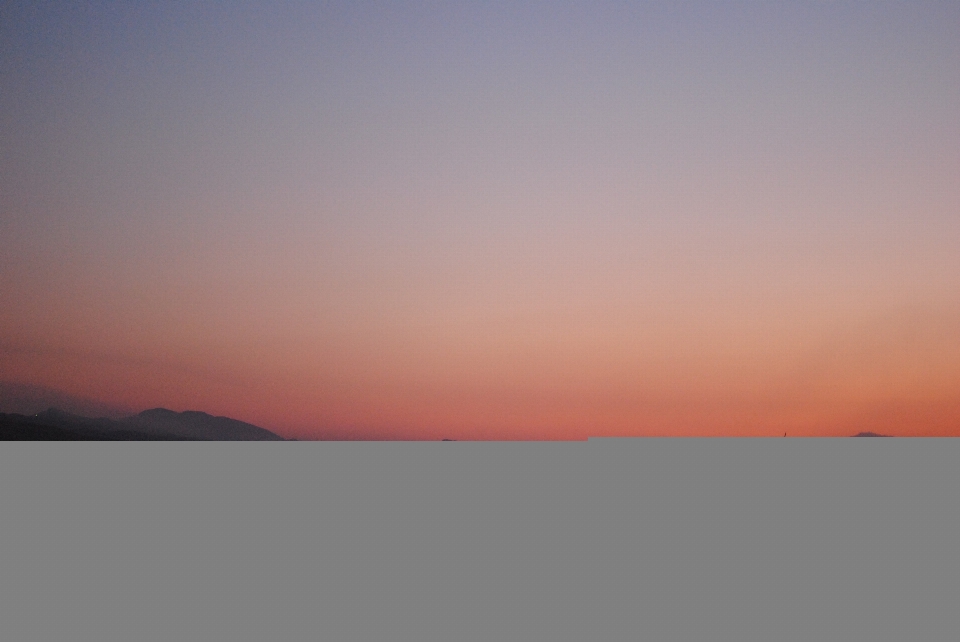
[{"x": 480, "y": 220}]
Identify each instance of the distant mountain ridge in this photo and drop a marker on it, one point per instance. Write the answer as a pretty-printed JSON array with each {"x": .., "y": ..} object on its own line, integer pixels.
[
  {"x": 158, "y": 424},
  {"x": 28, "y": 400},
  {"x": 197, "y": 425}
]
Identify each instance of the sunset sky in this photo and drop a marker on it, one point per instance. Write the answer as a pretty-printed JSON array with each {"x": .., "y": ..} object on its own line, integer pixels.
[{"x": 530, "y": 220}]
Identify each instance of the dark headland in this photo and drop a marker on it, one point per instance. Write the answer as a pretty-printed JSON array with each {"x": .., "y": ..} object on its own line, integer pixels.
[{"x": 158, "y": 424}]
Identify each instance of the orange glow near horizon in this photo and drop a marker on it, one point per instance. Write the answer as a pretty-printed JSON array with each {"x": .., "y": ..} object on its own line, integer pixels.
[{"x": 577, "y": 383}]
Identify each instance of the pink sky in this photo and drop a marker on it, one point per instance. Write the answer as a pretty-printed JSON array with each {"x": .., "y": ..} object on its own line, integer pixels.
[{"x": 489, "y": 223}]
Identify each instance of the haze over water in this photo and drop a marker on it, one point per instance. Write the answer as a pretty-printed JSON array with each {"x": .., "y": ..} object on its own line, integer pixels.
[{"x": 543, "y": 221}]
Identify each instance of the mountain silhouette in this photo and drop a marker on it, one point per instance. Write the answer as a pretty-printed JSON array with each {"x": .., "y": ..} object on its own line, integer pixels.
[
  {"x": 56, "y": 425},
  {"x": 158, "y": 424},
  {"x": 197, "y": 425},
  {"x": 869, "y": 434}
]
